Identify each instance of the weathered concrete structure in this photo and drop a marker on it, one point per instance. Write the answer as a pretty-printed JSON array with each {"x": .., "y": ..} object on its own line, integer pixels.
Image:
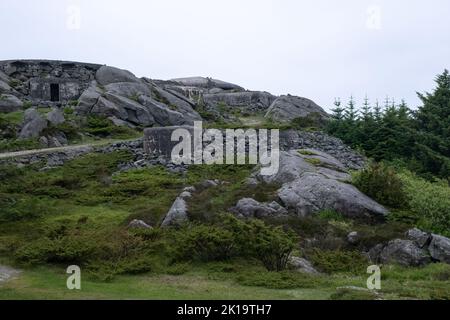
[{"x": 48, "y": 82}]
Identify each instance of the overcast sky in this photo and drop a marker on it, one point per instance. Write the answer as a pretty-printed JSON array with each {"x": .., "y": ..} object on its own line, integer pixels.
[{"x": 318, "y": 49}]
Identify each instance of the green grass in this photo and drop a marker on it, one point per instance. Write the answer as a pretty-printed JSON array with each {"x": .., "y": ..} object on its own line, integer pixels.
[
  {"x": 15, "y": 118},
  {"x": 232, "y": 281}
]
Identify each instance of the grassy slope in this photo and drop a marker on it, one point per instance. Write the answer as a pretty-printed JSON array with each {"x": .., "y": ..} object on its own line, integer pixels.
[{"x": 82, "y": 188}]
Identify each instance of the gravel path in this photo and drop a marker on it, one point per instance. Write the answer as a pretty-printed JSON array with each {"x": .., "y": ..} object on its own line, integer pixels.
[{"x": 59, "y": 149}]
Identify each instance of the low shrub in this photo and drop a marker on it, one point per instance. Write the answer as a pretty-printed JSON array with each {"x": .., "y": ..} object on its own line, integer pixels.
[
  {"x": 381, "y": 183},
  {"x": 429, "y": 201},
  {"x": 338, "y": 261},
  {"x": 235, "y": 238},
  {"x": 103, "y": 127}
]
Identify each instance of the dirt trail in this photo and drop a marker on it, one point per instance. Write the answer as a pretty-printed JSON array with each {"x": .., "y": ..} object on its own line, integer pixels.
[{"x": 58, "y": 149}]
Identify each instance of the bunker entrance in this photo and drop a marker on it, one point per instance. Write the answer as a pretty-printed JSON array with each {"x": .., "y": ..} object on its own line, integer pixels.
[{"x": 54, "y": 92}]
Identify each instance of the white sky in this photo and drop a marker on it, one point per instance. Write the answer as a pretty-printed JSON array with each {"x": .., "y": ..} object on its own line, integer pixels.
[{"x": 317, "y": 49}]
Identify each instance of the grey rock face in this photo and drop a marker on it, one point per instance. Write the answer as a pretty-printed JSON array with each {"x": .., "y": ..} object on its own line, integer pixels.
[
  {"x": 138, "y": 224},
  {"x": 88, "y": 99},
  {"x": 313, "y": 192},
  {"x": 296, "y": 140},
  {"x": 206, "y": 83},
  {"x": 405, "y": 253},
  {"x": 129, "y": 110},
  {"x": 56, "y": 117},
  {"x": 4, "y": 83},
  {"x": 287, "y": 108},
  {"x": 422, "y": 239},
  {"x": 302, "y": 265},
  {"x": 178, "y": 213},
  {"x": 250, "y": 101},
  {"x": 107, "y": 75},
  {"x": 10, "y": 103},
  {"x": 250, "y": 208},
  {"x": 313, "y": 181},
  {"x": 33, "y": 124},
  {"x": 440, "y": 248}
]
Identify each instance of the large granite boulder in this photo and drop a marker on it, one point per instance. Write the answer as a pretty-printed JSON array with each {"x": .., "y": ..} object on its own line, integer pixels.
[
  {"x": 33, "y": 124},
  {"x": 418, "y": 249},
  {"x": 314, "y": 192},
  {"x": 440, "y": 248},
  {"x": 288, "y": 108},
  {"x": 88, "y": 99},
  {"x": 4, "y": 83},
  {"x": 405, "y": 253},
  {"x": 10, "y": 103},
  {"x": 135, "y": 112},
  {"x": 313, "y": 181},
  {"x": 107, "y": 75}
]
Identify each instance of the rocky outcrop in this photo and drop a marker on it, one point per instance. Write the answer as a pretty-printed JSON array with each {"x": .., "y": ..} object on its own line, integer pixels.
[
  {"x": 249, "y": 102},
  {"x": 206, "y": 83},
  {"x": 420, "y": 248},
  {"x": 440, "y": 248},
  {"x": 107, "y": 75},
  {"x": 250, "y": 208},
  {"x": 288, "y": 108},
  {"x": 296, "y": 139},
  {"x": 119, "y": 95},
  {"x": 10, "y": 103},
  {"x": 313, "y": 181},
  {"x": 405, "y": 253},
  {"x": 33, "y": 124}
]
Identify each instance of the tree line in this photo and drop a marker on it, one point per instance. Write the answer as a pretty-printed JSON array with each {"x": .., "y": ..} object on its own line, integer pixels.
[{"x": 418, "y": 139}]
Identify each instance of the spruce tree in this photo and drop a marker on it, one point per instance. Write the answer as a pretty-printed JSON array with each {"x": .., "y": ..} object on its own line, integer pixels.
[
  {"x": 351, "y": 114},
  {"x": 338, "y": 111},
  {"x": 366, "y": 113}
]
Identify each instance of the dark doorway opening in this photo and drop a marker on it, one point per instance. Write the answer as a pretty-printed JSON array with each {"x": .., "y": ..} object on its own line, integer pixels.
[{"x": 54, "y": 92}]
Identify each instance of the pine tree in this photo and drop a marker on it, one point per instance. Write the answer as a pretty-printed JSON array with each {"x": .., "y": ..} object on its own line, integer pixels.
[
  {"x": 351, "y": 114},
  {"x": 377, "y": 111},
  {"x": 338, "y": 111},
  {"x": 366, "y": 113}
]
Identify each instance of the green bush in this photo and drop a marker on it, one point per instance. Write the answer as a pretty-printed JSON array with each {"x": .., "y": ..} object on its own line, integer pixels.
[
  {"x": 339, "y": 261},
  {"x": 103, "y": 127},
  {"x": 381, "y": 183},
  {"x": 204, "y": 243},
  {"x": 232, "y": 238},
  {"x": 429, "y": 201},
  {"x": 18, "y": 145},
  {"x": 19, "y": 208}
]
